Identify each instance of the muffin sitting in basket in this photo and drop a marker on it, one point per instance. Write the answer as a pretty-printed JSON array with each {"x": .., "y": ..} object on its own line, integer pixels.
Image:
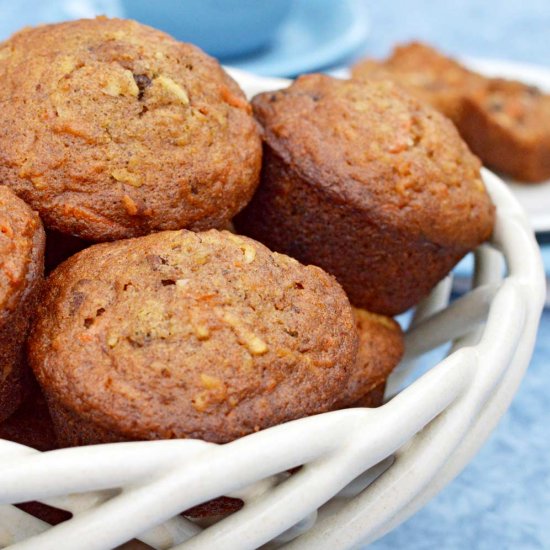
[{"x": 369, "y": 183}]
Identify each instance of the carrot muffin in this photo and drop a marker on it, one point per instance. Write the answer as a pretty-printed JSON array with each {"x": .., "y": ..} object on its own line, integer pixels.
[
  {"x": 427, "y": 74},
  {"x": 368, "y": 183},
  {"x": 32, "y": 426},
  {"x": 505, "y": 122},
  {"x": 21, "y": 275},
  {"x": 188, "y": 335},
  {"x": 111, "y": 129},
  {"x": 380, "y": 349}
]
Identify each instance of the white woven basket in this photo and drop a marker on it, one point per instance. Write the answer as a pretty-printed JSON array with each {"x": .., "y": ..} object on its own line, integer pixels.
[{"x": 364, "y": 470}]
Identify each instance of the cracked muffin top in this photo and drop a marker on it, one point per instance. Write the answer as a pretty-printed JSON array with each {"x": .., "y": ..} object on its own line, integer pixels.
[
  {"x": 21, "y": 252},
  {"x": 381, "y": 347},
  {"x": 111, "y": 129},
  {"x": 201, "y": 335},
  {"x": 372, "y": 145}
]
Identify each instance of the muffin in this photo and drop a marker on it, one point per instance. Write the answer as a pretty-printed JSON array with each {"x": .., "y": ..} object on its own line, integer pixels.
[
  {"x": 111, "y": 129},
  {"x": 380, "y": 350},
  {"x": 505, "y": 122},
  {"x": 370, "y": 184},
  {"x": 188, "y": 335},
  {"x": 425, "y": 73},
  {"x": 21, "y": 275}
]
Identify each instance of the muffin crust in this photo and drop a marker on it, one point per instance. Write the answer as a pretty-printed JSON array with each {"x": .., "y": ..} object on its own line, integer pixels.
[
  {"x": 381, "y": 347},
  {"x": 111, "y": 129}
]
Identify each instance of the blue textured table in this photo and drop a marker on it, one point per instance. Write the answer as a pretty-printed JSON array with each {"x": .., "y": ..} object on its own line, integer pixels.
[{"x": 502, "y": 499}]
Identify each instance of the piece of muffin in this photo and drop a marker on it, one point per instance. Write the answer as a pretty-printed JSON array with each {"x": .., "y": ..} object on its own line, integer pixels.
[
  {"x": 111, "y": 129},
  {"x": 505, "y": 122},
  {"x": 367, "y": 182},
  {"x": 188, "y": 335},
  {"x": 427, "y": 74},
  {"x": 381, "y": 347},
  {"x": 21, "y": 275},
  {"x": 31, "y": 424}
]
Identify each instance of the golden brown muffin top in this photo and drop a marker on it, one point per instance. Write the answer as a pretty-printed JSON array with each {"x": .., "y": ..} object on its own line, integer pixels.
[
  {"x": 19, "y": 226},
  {"x": 445, "y": 84},
  {"x": 516, "y": 107},
  {"x": 178, "y": 334},
  {"x": 112, "y": 129},
  {"x": 372, "y": 144}
]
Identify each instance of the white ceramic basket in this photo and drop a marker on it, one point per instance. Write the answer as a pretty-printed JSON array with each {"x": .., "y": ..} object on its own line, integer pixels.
[{"x": 364, "y": 470}]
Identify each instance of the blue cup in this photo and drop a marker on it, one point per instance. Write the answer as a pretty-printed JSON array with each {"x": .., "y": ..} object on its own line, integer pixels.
[{"x": 223, "y": 28}]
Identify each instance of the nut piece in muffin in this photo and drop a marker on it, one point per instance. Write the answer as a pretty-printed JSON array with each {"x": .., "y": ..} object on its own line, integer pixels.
[
  {"x": 21, "y": 275},
  {"x": 505, "y": 122},
  {"x": 188, "y": 335},
  {"x": 369, "y": 183},
  {"x": 114, "y": 130},
  {"x": 381, "y": 347}
]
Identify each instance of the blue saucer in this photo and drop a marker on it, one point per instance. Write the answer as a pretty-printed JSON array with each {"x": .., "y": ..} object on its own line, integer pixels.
[{"x": 317, "y": 34}]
